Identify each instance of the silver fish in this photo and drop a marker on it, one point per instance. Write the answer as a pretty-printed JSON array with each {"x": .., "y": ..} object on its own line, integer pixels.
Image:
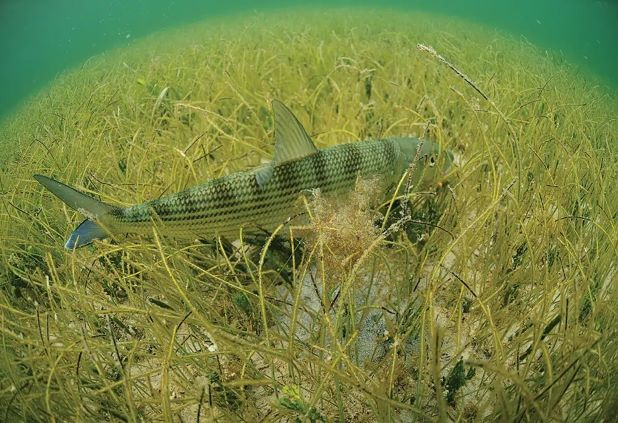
[{"x": 260, "y": 198}]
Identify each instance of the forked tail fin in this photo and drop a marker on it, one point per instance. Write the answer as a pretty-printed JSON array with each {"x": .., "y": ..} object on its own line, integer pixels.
[{"x": 93, "y": 209}]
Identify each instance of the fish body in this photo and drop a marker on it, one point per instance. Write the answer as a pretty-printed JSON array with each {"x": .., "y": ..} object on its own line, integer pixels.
[{"x": 261, "y": 198}]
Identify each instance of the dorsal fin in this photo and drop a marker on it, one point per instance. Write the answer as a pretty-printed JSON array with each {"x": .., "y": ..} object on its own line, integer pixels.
[{"x": 291, "y": 139}]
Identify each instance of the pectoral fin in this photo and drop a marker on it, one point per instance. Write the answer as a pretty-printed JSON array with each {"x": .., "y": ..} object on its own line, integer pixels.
[{"x": 263, "y": 175}]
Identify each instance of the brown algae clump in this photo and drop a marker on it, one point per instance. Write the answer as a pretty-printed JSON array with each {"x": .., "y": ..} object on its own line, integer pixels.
[{"x": 343, "y": 230}]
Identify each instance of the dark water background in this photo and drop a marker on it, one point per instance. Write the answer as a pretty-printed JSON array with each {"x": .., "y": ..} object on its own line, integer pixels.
[{"x": 40, "y": 38}]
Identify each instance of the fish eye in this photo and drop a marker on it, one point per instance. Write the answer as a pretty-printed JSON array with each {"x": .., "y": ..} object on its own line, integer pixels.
[{"x": 432, "y": 161}]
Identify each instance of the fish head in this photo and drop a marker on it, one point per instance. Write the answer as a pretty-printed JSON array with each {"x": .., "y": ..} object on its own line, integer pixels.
[{"x": 427, "y": 159}]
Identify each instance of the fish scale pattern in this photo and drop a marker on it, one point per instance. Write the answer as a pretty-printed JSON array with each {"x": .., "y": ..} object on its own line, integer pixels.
[{"x": 221, "y": 206}]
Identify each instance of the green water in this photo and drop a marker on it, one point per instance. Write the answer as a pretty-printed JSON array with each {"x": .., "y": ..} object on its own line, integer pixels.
[{"x": 39, "y": 39}]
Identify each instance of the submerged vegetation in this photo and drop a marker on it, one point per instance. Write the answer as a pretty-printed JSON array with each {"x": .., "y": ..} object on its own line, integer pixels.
[{"x": 489, "y": 296}]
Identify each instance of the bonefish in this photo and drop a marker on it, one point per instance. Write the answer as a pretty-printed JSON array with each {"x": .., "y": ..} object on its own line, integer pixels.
[{"x": 261, "y": 198}]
